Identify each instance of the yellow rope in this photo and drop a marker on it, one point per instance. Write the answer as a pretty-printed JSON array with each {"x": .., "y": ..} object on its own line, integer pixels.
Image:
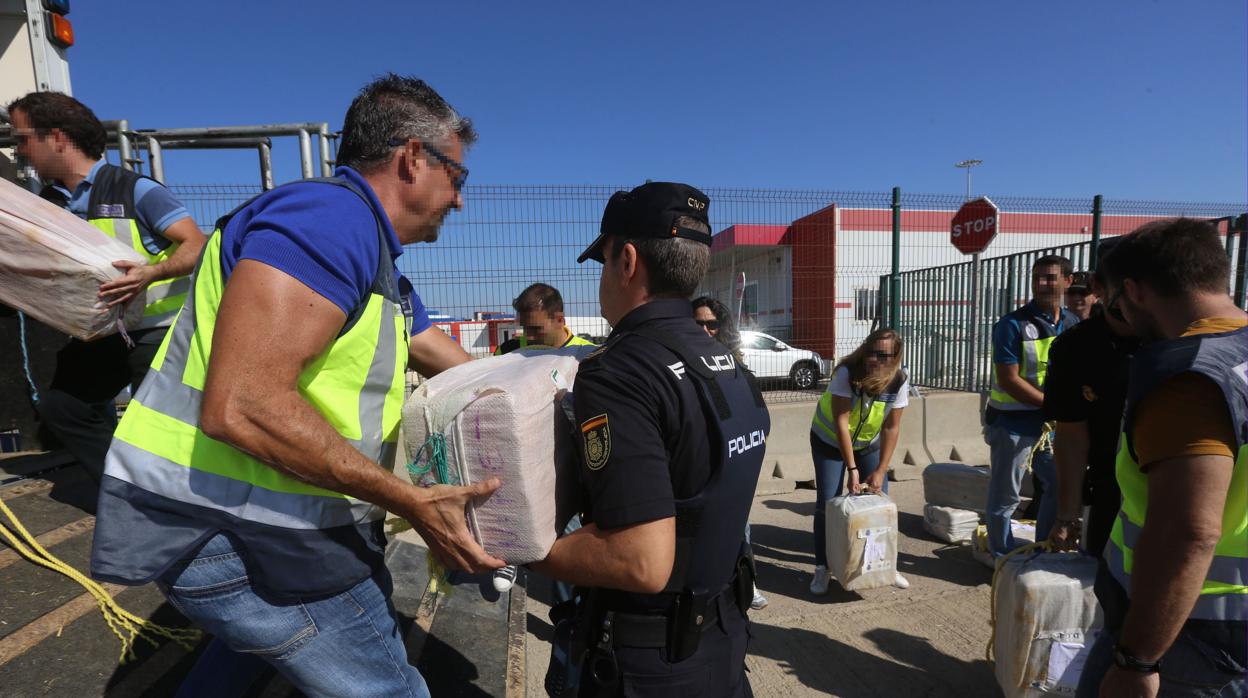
[
  {"x": 124, "y": 624},
  {"x": 1044, "y": 443}
]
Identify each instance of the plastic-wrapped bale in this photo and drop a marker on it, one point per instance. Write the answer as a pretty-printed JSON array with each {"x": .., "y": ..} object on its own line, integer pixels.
[
  {"x": 862, "y": 540},
  {"x": 1047, "y": 617},
  {"x": 52, "y": 264},
  {"x": 501, "y": 417},
  {"x": 956, "y": 485},
  {"x": 949, "y": 524}
]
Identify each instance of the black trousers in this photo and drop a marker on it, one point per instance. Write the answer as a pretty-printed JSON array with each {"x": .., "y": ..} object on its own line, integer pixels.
[
  {"x": 716, "y": 670},
  {"x": 78, "y": 407}
]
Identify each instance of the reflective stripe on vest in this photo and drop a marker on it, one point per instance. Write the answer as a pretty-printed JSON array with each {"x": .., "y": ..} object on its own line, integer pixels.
[
  {"x": 164, "y": 297},
  {"x": 111, "y": 208},
  {"x": 356, "y": 384},
  {"x": 864, "y": 432},
  {"x": 1034, "y": 368},
  {"x": 1224, "y": 594},
  {"x": 1223, "y": 358}
]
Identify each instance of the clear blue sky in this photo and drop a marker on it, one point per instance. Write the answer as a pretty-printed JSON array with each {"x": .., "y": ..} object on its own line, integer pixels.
[{"x": 1130, "y": 99}]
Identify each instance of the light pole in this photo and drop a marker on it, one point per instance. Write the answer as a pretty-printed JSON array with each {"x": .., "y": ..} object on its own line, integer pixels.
[{"x": 967, "y": 165}]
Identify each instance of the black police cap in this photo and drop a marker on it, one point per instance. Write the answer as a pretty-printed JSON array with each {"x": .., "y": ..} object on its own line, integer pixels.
[{"x": 650, "y": 211}]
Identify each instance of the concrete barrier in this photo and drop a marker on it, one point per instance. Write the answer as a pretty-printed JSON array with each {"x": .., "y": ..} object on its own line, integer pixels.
[
  {"x": 953, "y": 429},
  {"x": 788, "y": 446},
  {"x": 911, "y": 455}
]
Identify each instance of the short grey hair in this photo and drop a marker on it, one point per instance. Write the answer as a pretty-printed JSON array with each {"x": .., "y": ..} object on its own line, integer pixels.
[
  {"x": 394, "y": 107},
  {"x": 675, "y": 265}
]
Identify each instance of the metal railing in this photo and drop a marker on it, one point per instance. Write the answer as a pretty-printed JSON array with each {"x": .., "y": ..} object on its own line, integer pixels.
[
  {"x": 948, "y": 340},
  {"x": 132, "y": 144},
  {"x": 817, "y": 264}
]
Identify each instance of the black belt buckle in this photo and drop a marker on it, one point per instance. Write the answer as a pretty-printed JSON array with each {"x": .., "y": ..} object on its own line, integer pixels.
[{"x": 684, "y": 625}]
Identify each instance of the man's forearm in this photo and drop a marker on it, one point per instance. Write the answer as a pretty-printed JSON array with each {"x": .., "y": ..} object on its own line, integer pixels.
[
  {"x": 1070, "y": 453},
  {"x": 287, "y": 433},
  {"x": 591, "y": 557},
  {"x": 180, "y": 263},
  {"x": 432, "y": 352},
  {"x": 1168, "y": 571},
  {"x": 1022, "y": 391}
]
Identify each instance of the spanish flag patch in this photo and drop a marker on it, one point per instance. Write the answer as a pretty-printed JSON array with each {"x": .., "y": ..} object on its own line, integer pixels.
[{"x": 597, "y": 435}]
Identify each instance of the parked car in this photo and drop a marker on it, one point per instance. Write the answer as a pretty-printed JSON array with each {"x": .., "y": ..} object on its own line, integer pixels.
[{"x": 771, "y": 358}]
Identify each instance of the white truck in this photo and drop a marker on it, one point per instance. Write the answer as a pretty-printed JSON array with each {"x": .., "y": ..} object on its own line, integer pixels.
[{"x": 35, "y": 36}]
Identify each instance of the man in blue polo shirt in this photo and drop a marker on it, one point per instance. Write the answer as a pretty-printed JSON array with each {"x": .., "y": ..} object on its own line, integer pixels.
[
  {"x": 251, "y": 476},
  {"x": 1014, "y": 418},
  {"x": 64, "y": 141}
]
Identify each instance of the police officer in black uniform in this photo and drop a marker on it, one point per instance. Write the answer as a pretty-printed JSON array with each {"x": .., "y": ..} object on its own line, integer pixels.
[
  {"x": 1085, "y": 394},
  {"x": 672, "y": 431}
]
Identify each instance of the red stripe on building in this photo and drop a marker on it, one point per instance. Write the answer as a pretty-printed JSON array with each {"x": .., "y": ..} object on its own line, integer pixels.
[
  {"x": 748, "y": 235},
  {"x": 881, "y": 220}
]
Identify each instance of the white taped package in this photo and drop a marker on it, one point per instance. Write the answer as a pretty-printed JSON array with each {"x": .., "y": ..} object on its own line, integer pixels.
[
  {"x": 962, "y": 486},
  {"x": 956, "y": 485},
  {"x": 501, "y": 417},
  {"x": 862, "y": 540},
  {"x": 52, "y": 264},
  {"x": 949, "y": 524},
  {"x": 1047, "y": 617}
]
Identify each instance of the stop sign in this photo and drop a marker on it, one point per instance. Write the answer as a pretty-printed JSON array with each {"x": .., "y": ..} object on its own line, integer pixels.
[{"x": 974, "y": 226}]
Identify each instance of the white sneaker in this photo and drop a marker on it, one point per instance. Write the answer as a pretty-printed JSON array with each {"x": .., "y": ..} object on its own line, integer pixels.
[
  {"x": 759, "y": 602},
  {"x": 819, "y": 583},
  {"x": 901, "y": 582},
  {"x": 504, "y": 578}
]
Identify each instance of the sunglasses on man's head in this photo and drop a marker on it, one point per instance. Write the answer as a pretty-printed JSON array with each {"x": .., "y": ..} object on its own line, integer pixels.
[{"x": 708, "y": 324}]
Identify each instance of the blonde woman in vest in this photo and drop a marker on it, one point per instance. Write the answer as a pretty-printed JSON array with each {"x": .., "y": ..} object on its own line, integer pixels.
[{"x": 862, "y": 407}]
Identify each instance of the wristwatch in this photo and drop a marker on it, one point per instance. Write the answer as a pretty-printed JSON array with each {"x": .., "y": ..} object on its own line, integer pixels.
[{"x": 1123, "y": 659}]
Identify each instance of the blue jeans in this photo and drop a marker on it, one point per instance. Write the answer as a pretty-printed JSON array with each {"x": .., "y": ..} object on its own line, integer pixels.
[
  {"x": 343, "y": 645},
  {"x": 829, "y": 481},
  {"x": 1008, "y": 453},
  {"x": 1207, "y": 660}
]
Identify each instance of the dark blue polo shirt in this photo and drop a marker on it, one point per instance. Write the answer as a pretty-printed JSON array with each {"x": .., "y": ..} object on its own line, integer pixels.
[{"x": 324, "y": 236}]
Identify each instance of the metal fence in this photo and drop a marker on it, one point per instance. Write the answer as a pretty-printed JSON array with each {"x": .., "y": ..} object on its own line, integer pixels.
[
  {"x": 945, "y": 314},
  {"x": 811, "y": 260}
]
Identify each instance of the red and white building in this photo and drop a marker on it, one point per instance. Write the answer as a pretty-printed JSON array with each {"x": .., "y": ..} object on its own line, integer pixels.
[{"x": 815, "y": 282}]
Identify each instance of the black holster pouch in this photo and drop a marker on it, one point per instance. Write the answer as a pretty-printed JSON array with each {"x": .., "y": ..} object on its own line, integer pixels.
[
  {"x": 685, "y": 624},
  {"x": 600, "y": 673},
  {"x": 592, "y": 648},
  {"x": 743, "y": 581}
]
